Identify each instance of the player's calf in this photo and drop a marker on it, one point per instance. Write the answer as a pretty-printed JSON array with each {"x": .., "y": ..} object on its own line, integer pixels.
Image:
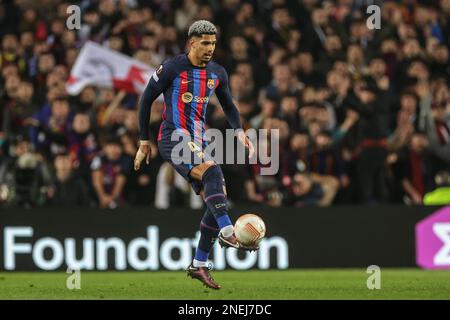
[{"x": 214, "y": 194}]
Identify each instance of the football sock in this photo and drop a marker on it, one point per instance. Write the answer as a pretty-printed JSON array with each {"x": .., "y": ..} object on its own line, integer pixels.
[
  {"x": 198, "y": 264},
  {"x": 215, "y": 199},
  {"x": 227, "y": 231},
  {"x": 208, "y": 234}
]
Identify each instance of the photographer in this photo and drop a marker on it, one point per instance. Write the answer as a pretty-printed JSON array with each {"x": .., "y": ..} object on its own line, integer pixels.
[{"x": 25, "y": 177}]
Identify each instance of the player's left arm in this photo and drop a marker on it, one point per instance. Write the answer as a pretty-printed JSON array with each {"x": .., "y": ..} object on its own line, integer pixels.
[{"x": 231, "y": 112}]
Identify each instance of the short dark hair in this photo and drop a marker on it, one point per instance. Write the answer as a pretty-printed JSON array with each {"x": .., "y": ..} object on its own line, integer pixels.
[{"x": 200, "y": 27}]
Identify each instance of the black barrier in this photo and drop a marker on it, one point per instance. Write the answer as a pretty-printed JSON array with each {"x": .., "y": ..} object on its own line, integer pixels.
[{"x": 148, "y": 239}]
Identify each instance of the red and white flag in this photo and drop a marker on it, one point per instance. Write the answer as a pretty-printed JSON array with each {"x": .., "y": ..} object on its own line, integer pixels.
[{"x": 103, "y": 67}]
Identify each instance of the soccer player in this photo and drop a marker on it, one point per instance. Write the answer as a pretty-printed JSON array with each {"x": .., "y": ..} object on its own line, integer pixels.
[{"x": 187, "y": 82}]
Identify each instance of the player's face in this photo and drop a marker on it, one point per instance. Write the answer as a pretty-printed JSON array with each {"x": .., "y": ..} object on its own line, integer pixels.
[{"x": 204, "y": 47}]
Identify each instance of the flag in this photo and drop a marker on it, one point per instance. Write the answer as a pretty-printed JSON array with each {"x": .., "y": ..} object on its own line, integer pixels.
[{"x": 100, "y": 66}]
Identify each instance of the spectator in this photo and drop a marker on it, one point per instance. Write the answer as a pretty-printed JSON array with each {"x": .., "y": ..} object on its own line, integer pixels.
[
  {"x": 325, "y": 160},
  {"x": 306, "y": 73},
  {"x": 173, "y": 190},
  {"x": 373, "y": 130},
  {"x": 438, "y": 132},
  {"x": 51, "y": 127},
  {"x": 18, "y": 107},
  {"x": 262, "y": 188},
  {"x": 289, "y": 111},
  {"x": 283, "y": 82},
  {"x": 312, "y": 190},
  {"x": 185, "y": 15},
  {"x": 69, "y": 189},
  {"x": 109, "y": 171},
  {"x": 441, "y": 195},
  {"x": 9, "y": 53},
  {"x": 82, "y": 145},
  {"x": 268, "y": 110},
  {"x": 414, "y": 170},
  {"x": 141, "y": 185},
  {"x": 355, "y": 61}
]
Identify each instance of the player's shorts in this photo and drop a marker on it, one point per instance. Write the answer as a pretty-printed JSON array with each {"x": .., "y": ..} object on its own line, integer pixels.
[{"x": 183, "y": 153}]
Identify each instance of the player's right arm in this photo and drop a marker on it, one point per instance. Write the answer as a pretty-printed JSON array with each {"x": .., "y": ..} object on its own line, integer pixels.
[{"x": 158, "y": 82}]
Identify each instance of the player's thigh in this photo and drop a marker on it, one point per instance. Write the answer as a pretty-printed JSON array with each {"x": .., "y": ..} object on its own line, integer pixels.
[
  {"x": 191, "y": 163},
  {"x": 196, "y": 174},
  {"x": 200, "y": 160},
  {"x": 166, "y": 150}
]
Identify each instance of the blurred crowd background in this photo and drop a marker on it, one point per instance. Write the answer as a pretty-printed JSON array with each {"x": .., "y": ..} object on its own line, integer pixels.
[{"x": 364, "y": 115}]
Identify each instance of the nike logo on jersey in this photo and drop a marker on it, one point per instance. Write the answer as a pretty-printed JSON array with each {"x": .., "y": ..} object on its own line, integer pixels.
[{"x": 185, "y": 81}]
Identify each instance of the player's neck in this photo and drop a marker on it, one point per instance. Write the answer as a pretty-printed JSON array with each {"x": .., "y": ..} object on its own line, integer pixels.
[{"x": 194, "y": 60}]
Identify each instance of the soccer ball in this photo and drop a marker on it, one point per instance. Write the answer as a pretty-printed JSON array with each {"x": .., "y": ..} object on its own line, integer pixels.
[{"x": 249, "y": 229}]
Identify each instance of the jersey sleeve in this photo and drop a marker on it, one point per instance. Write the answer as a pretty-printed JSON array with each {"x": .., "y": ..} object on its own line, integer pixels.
[
  {"x": 159, "y": 81},
  {"x": 226, "y": 101}
]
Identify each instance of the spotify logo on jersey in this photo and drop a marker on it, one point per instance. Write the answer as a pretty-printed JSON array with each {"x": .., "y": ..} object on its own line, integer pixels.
[{"x": 186, "y": 97}]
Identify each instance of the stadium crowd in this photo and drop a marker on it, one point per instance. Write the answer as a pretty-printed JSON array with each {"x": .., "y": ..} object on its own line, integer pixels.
[{"x": 363, "y": 115}]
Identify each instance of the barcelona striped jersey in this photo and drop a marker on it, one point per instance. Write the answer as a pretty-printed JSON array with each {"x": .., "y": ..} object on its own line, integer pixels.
[{"x": 187, "y": 90}]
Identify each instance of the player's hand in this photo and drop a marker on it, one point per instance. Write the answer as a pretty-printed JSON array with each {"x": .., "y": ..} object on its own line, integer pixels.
[
  {"x": 247, "y": 143},
  {"x": 144, "y": 152}
]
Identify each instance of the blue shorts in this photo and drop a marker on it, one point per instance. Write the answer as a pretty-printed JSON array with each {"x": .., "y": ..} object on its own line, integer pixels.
[{"x": 182, "y": 152}]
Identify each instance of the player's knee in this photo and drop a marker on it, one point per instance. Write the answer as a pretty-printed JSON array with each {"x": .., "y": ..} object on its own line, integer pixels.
[
  {"x": 212, "y": 173},
  {"x": 198, "y": 171},
  {"x": 213, "y": 181}
]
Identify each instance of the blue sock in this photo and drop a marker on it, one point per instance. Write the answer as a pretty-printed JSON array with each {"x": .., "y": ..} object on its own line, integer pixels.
[
  {"x": 209, "y": 231},
  {"x": 224, "y": 221},
  {"x": 201, "y": 255}
]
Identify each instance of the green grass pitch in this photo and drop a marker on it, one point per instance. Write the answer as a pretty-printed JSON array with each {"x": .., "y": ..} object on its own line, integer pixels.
[{"x": 289, "y": 284}]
